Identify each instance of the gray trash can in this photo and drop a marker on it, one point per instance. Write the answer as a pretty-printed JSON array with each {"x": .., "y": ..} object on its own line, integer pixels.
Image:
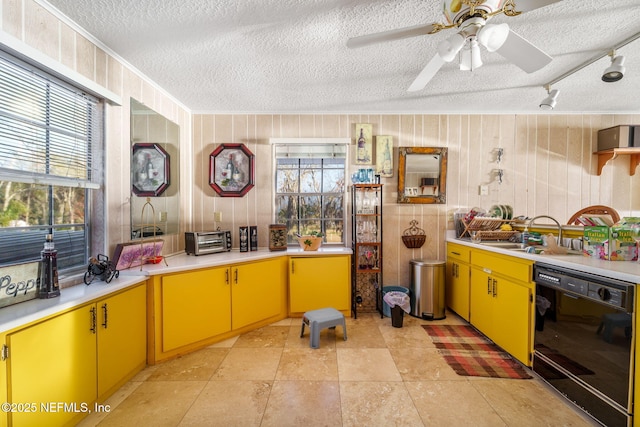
[{"x": 427, "y": 289}]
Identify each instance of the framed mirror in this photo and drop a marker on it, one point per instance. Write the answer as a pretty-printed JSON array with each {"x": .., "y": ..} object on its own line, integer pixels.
[
  {"x": 422, "y": 175},
  {"x": 155, "y": 142}
]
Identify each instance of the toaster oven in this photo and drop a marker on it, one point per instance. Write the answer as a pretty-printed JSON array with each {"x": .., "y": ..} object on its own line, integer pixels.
[{"x": 207, "y": 242}]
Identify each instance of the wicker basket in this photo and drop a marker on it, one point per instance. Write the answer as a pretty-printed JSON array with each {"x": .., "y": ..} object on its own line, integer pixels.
[{"x": 413, "y": 242}]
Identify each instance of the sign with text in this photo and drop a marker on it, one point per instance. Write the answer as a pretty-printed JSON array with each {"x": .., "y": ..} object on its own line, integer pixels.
[{"x": 18, "y": 283}]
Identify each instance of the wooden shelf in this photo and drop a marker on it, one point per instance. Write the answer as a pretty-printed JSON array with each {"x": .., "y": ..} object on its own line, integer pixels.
[{"x": 606, "y": 155}]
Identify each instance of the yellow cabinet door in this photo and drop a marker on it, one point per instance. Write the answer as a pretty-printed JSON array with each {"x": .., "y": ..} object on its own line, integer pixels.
[
  {"x": 319, "y": 282},
  {"x": 53, "y": 364},
  {"x": 481, "y": 301},
  {"x": 457, "y": 288},
  {"x": 256, "y": 290},
  {"x": 195, "y": 306},
  {"x": 4, "y": 420},
  {"x": 122, "y": 337},
  {"x": 512, "y": 319}
]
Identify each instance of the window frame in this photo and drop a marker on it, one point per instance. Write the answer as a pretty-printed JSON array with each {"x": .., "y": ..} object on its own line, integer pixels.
[{"x": 301, "y": 145}]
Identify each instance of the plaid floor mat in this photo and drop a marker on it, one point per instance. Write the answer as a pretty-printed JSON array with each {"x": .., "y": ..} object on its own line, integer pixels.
[{"x": 470, "y": 353}]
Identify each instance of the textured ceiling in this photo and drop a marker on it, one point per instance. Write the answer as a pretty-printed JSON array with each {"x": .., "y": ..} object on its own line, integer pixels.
[{"x": 278, "y": 56}]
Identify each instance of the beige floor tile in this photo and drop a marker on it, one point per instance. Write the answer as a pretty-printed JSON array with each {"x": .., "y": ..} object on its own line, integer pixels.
[
  {"x": 249, "y": 364},
  {"x": 528, "y": 403},
  {"x": 197, "y": 366},
  {"x": 308, "y": 364},
  {"x": 452, "y": 403},
  {"x": 285, "y": 322},
  {"x": 303, "y": 403},
  {"x": 229, "y": 403},
  {"x": 155, "y": 403},
  {"x": 112, "y": 402},
  {"x": 377, "y": 404},
  {"x": 366, "y": 364},
  {"x": 419, "y": 364},
  {"x": 361, "y": 336},
  {"x": 406, "y": 337},
  {"x": 268, "y": 336},
  {"x": 228, "y": 343}
]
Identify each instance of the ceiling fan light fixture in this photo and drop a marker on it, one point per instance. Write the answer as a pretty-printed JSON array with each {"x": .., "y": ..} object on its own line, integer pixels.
[
  {"x": 470, "y": 57},
  {"x": 493, "y": 37},
  {"x": 549, "y": 103},
  {"x": 449, "y": 48},
  {"x": 615, "y": 71}
]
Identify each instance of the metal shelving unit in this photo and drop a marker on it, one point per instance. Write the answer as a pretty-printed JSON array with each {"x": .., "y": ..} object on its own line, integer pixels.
[{"x": 366, "y": 242}]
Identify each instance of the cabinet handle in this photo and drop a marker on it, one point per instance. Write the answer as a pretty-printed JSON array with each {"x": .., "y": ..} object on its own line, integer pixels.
[
  {"x": 226, "y": 277},
  {"x": 495, "y": 287},
  {"x": 236, "y": 277},
  {"x": 488, "y": 285},
  {"x": 456, "y": 253},
  {"x": 94, "y": 319},
  {"x": 292, "y": 269},
  {"x": 457, "y": 270},
  {"x": 104, "y": 312}
]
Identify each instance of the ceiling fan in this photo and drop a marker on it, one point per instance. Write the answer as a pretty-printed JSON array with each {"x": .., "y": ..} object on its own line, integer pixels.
[{"x": 470, "y": 18}]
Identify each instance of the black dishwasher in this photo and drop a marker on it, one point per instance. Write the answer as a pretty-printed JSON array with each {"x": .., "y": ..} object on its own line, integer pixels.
[{"x": 583, "y": 340}]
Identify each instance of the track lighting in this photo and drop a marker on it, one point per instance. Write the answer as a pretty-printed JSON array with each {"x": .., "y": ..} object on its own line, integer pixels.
[
  {"x": 549, "y": 102},
  {"x": 615, "y": 71}
]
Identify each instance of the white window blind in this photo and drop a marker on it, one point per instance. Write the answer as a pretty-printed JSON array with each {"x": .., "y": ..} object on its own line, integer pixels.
[{"x": 45, "y": 128}]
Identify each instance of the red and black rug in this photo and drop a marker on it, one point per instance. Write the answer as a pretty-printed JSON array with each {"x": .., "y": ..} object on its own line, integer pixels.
[{"x": 470, "y": 353}]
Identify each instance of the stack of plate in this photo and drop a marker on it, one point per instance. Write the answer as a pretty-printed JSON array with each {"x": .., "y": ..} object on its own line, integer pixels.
[{"x": 501, "y": 211}]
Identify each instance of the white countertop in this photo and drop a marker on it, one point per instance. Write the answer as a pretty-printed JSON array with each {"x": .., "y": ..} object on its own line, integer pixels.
[
  {"x": 26, "y": 312},
  {"x": 20, "y": 314},
  {"x": 183, "y": 262},
  {"x": 628, "y": 271}
]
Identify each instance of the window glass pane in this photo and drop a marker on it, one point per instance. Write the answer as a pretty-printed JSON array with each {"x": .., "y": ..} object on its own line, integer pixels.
[
  {"x": 310, "y": 186},
  {"x": 68, "y": 205},
  {"x": 287, "y": 179}
]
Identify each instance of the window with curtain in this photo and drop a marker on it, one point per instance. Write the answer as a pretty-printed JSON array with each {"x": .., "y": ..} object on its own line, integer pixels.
[
  {"x": 49, "y": 134},
  {"x": 310, "y": 189}
]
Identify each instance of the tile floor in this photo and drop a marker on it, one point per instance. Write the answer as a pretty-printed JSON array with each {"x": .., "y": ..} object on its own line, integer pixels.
[{"x": 380, "y": 376}]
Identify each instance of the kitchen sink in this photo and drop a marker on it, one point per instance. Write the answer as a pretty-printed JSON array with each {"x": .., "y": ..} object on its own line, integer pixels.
[{"x": 512, "y": 246}]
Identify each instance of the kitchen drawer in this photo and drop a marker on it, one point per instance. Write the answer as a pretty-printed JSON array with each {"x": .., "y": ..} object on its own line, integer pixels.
[
  {"x": 515, "y": 268},
  {"x": 458, "y": 252}
]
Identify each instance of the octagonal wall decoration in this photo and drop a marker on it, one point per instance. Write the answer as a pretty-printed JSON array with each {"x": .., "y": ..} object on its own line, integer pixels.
[{"x": 231, "y": 170}]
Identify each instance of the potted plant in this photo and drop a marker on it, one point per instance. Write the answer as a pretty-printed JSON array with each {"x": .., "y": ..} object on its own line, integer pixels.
[{"x": 311, "y": 241}]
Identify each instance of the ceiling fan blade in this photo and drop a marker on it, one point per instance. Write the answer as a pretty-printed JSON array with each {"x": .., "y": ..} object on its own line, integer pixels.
[
  {"x": 400, "y": 33},
  {"x": 523, "y": 54},
  {"x": 527, "y": 5},
  {"x": 427, "y": 73}
]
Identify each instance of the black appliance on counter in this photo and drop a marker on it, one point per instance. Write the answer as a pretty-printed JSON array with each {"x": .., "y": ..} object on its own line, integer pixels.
[
  {"x": 207, "y": 242},
  {"x": 583, "y": 340}
]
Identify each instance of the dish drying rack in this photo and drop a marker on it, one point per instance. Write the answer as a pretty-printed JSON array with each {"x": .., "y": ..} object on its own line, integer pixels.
[{"x": 487, "y": 228}]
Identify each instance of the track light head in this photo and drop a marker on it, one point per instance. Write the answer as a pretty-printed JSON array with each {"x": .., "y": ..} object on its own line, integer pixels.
[
  {"x": 549, "y": 102},
  {"x": 615, "y": 71}
]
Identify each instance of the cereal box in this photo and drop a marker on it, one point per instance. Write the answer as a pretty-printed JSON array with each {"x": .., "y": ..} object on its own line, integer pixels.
[
  {"x": 596, "y": 241},
  {"x": 624, "y": 236}
]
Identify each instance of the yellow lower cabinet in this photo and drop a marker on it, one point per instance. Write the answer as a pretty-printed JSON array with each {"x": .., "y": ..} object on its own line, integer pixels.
[
  {"x": 257, "y": 291},
  {"x": 122, "y": 338},
  {"x": 318, "y": 282},
  {"x": 457, "y": 285},
  {"x": 501, "y": 309},
  {"x": 4, "y": 420},
  {"x": 195, "y": 306},
  {"x": 52, "y": 369}
]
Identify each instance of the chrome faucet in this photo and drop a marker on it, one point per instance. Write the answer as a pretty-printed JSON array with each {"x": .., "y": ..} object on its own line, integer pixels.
[{"x": 552, "y": 219}]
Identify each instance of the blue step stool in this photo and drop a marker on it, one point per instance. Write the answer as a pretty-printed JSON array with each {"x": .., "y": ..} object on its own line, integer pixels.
[{"x": 320, "y": 319}]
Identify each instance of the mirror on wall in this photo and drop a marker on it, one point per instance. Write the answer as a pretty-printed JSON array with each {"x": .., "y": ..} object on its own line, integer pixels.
[
  {"x": 422, "y": 175},
  {"x": 155, "y": 143}
]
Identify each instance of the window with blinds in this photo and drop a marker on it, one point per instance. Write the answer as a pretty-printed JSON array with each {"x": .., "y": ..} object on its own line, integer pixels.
[
  {"x": 310, "y": 189},
  {"x": 49, "y": 132}
]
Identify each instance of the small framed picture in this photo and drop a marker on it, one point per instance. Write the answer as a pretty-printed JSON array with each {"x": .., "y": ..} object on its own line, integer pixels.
[
  {"x": 231, "y": 169},
  {"x": 364, "y": 144},
  {"x": 384, "y": 156},
  {"x": 150, "y": 171}
]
